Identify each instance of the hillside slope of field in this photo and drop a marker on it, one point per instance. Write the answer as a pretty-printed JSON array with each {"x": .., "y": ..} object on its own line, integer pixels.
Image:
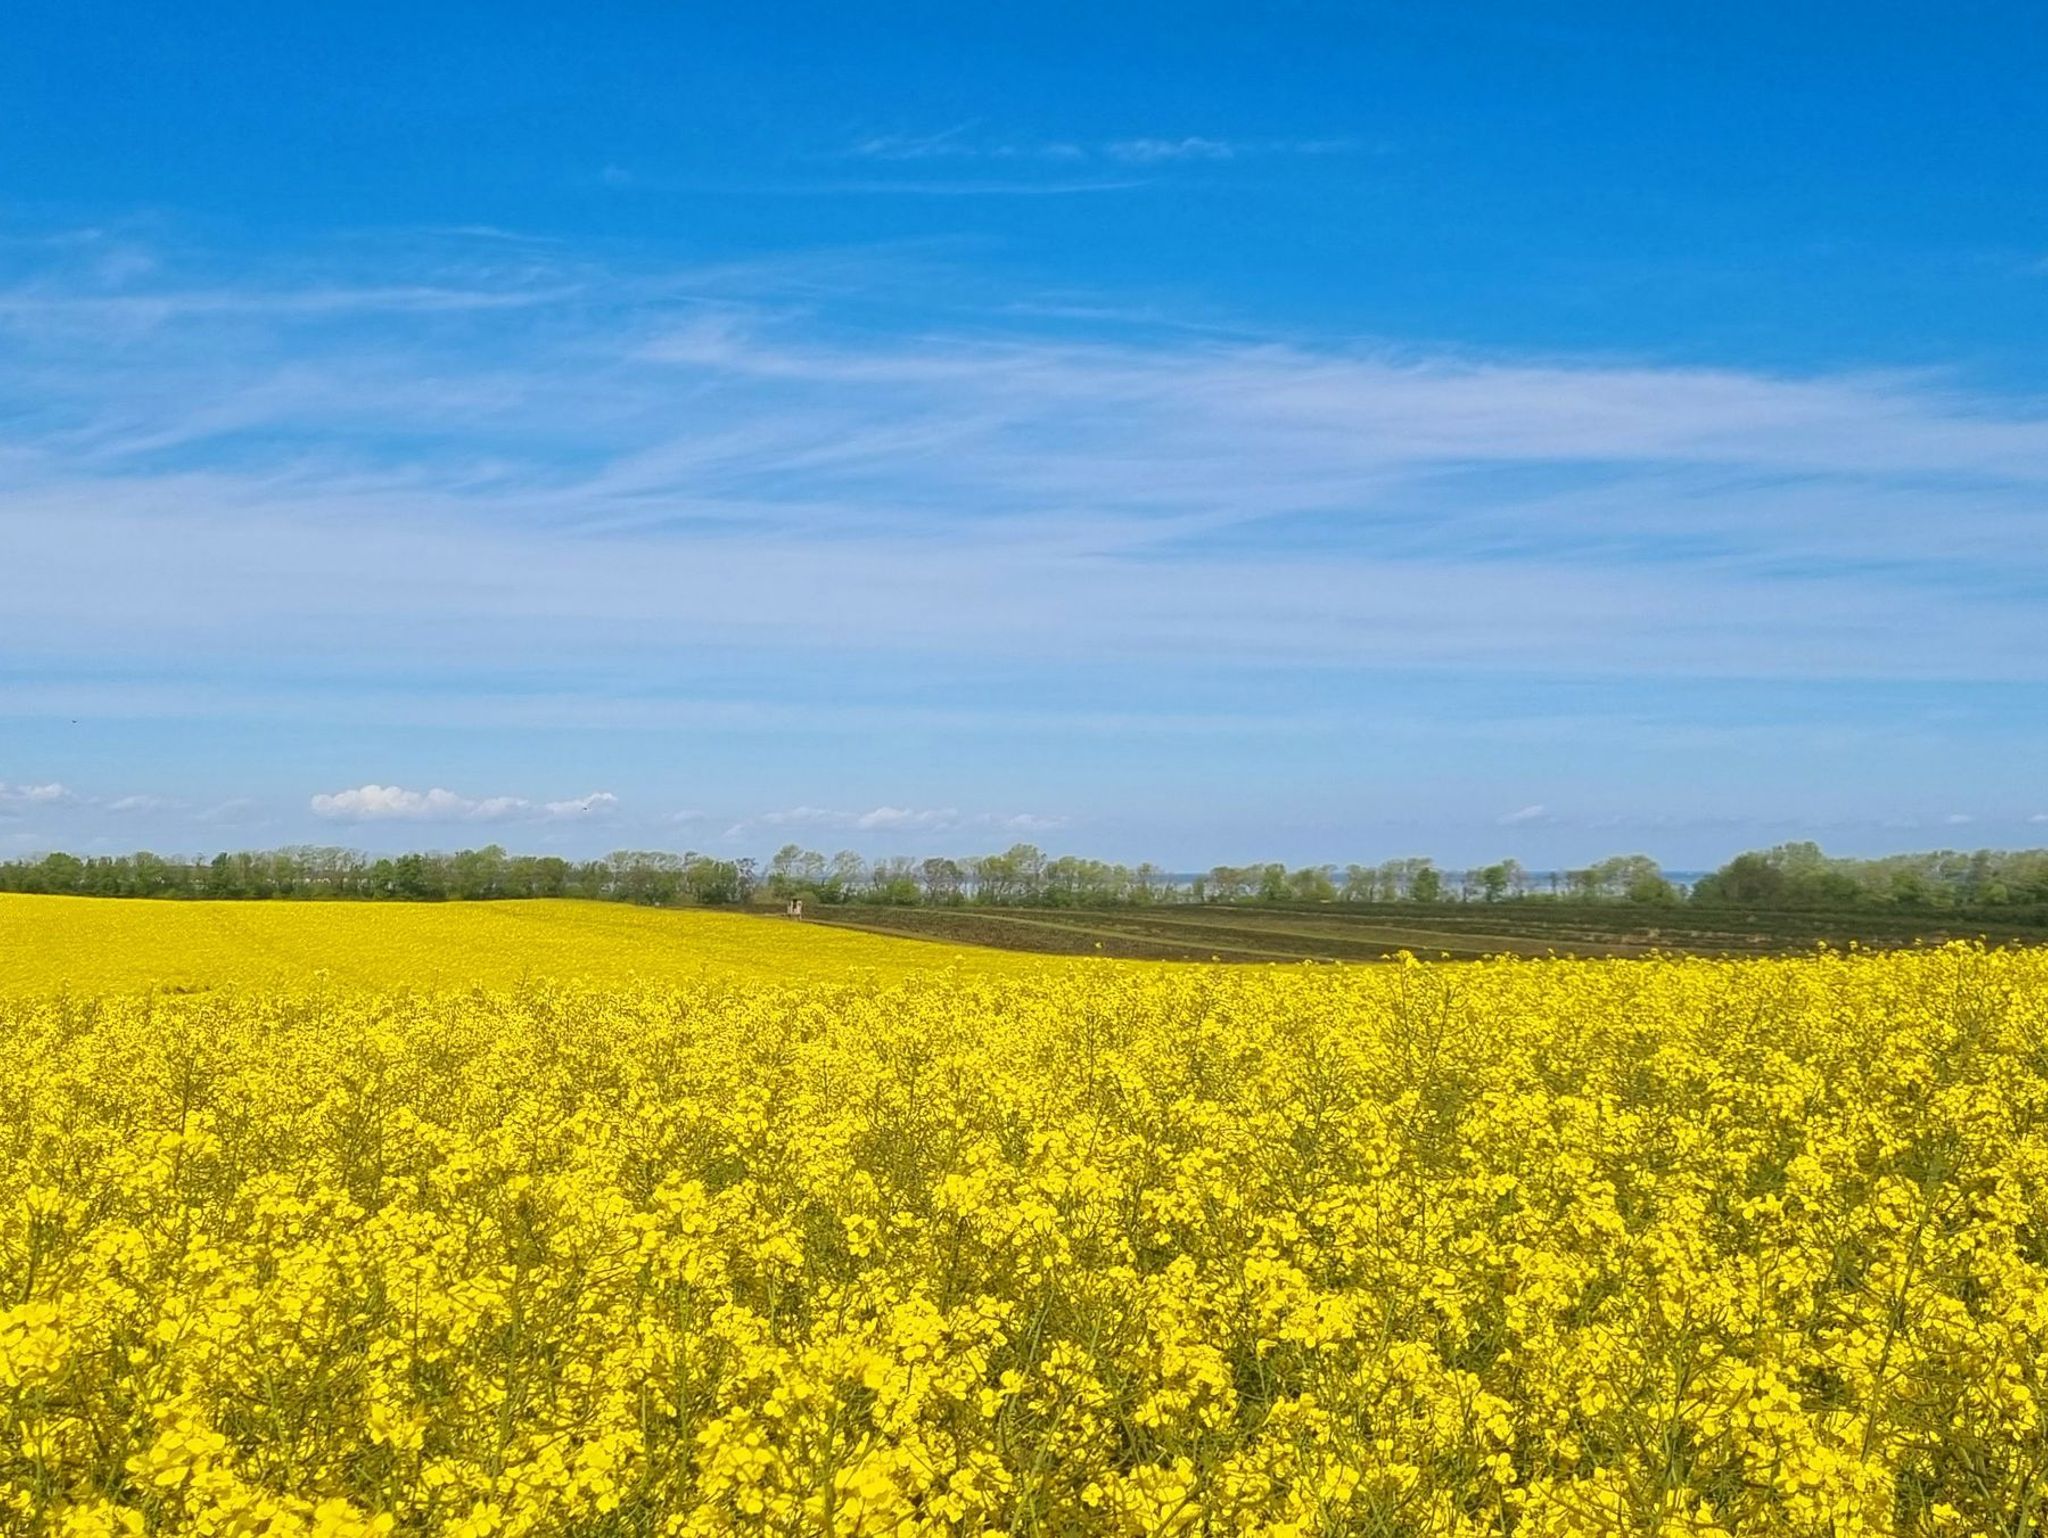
[
  {"x": 1372, "y": 932},
  {"x": 94, "y": 945},
  {"x": 101, "y": 945}
]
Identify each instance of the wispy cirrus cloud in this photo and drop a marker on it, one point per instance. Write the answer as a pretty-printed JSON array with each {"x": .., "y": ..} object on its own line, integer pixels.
[
  {"x": 598, "y": 801},
  {"x": 1014, "y": 176},
  {"x": 974, "y": 188},
  {"x": 771, "y": 456},
  {"x": 971, "y": 142},
  {"x": 945, "y": 144},
  {"x": 15, "y": 799},
  {"x": 236, "y": 812},
  {"x": 896, "y": 819},
  {"x": 51, "y": 796},
  {"x": 1147, "y": 151},
  {"x": 392, "y": 803},
  {"x": 150, "y": 309},
  {"x": 142, "y": 803}
]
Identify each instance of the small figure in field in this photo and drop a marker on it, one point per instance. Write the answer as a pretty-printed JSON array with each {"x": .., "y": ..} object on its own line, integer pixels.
[{"x": 796, "y": 907}]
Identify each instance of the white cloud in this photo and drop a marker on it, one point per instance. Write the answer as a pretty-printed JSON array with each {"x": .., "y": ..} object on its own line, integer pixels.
[
  {"x": 2039, "y": 817},
  {"x": 1188, "y": 147},
  {"x": 1958, "y": 819},
  {"x": 1527, "y": 814},
  {"x": 1021, "y": 822},
  {"x": 143, "y": 803},
  {"x": 961, "y": 143},
  {"x": 947, "y": 144},
  {"x": 236, "y": 811},
  {"x": 801, "y": 816},
  {"x": 830, "y": 495},
  {"x": 596, "y": 803},
  {"x": 976, "y": 188},
  {"x": 897, "y": 819},
  {"x": 20, "y": 798},
  {"x": 392, "y": 803},
  {"x": 382, "y": 803},
  {"x": 907, "y": 817}
]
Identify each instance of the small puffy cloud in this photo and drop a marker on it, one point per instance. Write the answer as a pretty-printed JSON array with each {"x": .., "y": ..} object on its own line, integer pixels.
[
  {"x": 907, "y": 817},
  {"x": 1527, "y": 814},
  {"x": 1022, "y": 822},
  {"x": 394, "y": 803},
  {"x": 1958, "y": 819},
  {"x": 2039, "y": 817},
  {"x": 21, "y": 798},
  {"x": 801, "y": 816}
]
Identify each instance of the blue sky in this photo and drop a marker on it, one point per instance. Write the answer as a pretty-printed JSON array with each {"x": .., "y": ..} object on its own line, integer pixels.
[{"x": 1195, "y": 433}]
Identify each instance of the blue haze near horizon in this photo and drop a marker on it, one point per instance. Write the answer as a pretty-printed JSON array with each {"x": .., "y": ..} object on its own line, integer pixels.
[{"x": 1195, "y": 434}]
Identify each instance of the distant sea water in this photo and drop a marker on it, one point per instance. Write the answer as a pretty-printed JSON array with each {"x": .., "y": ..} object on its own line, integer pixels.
[{"x": 1536, "y": 881}]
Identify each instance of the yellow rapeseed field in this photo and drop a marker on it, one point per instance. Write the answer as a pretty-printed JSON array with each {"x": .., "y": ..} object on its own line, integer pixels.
[
  {"x": 1519, "y": 1247},
  {"x": 101, "y": 944}
]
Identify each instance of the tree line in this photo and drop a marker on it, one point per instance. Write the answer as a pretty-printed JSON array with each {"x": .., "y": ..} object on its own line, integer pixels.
[
  {"x": 1800, "y": 875},
  {"x": 1024, "y": 876},
  {"x": 1789, "y": 876},
  {"x": 320, "y": 871}
]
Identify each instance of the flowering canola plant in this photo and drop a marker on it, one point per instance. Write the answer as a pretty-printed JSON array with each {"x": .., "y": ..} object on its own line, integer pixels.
[
  {"x": 1540, "y": 1248},
  {"x": 116, "y": 944}
]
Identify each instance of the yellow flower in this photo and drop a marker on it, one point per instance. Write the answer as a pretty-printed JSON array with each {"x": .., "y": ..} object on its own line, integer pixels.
[{"x": 765, "y": 1243}]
